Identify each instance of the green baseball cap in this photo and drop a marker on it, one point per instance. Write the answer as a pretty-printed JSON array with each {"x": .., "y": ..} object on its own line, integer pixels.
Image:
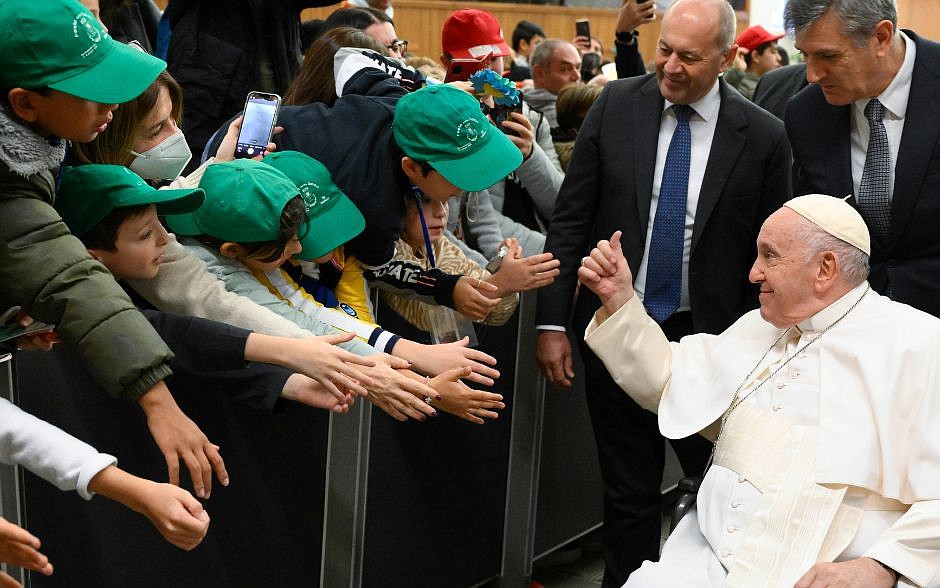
[
  {"x": 333, "y": 219},
  {"x": 59, "y": 44},
  {"x": 244, "y": 202},
  {"x": 444, "y": 126},
  {"x": 88, "y": 193}
]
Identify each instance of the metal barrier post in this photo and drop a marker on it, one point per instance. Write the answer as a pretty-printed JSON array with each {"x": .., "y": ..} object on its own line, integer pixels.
[
  {"x": 525, "y": 446},
  {"x": 11, "y": 483},
  {"x": 344, "y": 508}
]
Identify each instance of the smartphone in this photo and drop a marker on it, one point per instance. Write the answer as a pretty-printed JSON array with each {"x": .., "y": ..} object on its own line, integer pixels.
[
  {"x": 259, "y": 118},
  {"x": 10, "y": 332},
  {"x": 497, "y": 261},
  {"x": 501, "y": 112},
  {"x": 460, "y": 70},
  {"x": 582, "y": 28}
]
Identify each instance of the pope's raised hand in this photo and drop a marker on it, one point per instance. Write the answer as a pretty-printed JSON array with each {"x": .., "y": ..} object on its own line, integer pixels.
[{"x": 606, "y": 273}]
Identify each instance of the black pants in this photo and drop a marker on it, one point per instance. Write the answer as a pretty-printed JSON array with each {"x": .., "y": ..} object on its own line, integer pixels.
[{"x": 632, "y": 456}]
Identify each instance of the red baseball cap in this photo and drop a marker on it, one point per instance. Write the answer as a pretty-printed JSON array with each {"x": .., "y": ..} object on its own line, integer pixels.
[
  {"x": 473, "y": 34},
  {"x": 753, "y": 37}
]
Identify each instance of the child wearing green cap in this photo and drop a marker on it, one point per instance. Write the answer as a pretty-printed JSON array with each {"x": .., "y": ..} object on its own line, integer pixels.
[
  {"x": 61, "y": 75},
  {"x": 114, "y": 212},
  {"x": 248, "y": 228}
]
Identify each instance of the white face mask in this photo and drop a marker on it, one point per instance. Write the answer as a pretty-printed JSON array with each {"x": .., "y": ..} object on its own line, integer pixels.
[{"x": 165, "y": 161}]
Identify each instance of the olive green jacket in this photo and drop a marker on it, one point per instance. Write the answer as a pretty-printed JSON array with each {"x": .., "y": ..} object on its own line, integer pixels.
[{"x": 47, "y": 271}]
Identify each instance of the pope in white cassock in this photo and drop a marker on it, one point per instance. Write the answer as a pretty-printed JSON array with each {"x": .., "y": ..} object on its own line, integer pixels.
[{"x": 825, "y": 404}]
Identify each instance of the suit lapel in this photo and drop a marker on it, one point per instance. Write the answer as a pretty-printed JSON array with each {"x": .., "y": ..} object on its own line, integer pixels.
[
  {"x": 727, "y": 143},
  {"x": 917, "y": 140},
  {"x": 647, "y": 117}
]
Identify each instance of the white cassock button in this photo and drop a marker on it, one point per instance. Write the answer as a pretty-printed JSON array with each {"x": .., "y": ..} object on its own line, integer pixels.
[
  {"x": 777, "y": 407},
  {"x": 781, "y": 384},
  {"x": 736, "y": 504},
  {"x": 741, "y": 479},
  {"x": 795, "y": 374},
  {"x": 732, "y": 528},
  {"x": 726, "y": 553}
]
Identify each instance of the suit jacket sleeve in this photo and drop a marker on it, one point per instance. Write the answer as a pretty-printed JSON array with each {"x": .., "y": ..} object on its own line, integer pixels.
[{"x": 570, "y": 230}]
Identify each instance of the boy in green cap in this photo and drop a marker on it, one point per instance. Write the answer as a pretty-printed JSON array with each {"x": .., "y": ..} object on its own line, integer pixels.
[{"x": 61, "y": 75}]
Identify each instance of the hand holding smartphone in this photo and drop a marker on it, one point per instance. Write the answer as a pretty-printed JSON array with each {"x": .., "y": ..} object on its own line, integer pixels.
[
  {"x": 258, "y": 120},
  {"x": 582, "y": 28}
]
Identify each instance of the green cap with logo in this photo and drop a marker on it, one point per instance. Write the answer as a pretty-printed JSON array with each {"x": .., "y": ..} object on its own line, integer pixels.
[
  {"x": 333, "y": 218},
  {"x": 59, "y": 44},
  {"x": 444, "y": 126},
  {"x": 244, "y": 202},
  {"x": 89, "y": 193}
]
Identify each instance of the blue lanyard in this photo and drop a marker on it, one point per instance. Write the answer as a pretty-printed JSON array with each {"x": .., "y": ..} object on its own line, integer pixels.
[{"x": 419, "y": 198}]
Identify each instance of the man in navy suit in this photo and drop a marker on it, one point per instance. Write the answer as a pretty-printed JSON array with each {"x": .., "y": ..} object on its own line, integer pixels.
[
  {"x": 855, "y": 56},
  {"x": 736, "y": 172}
]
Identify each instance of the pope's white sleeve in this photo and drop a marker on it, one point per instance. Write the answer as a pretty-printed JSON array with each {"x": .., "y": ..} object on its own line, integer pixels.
[
  {"x": 911, "y": 546},
  {"x": 48, "y": 451}
]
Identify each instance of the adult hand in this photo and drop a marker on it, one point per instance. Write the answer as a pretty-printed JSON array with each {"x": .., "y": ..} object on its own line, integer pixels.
[
  {"x": 739, "y": 62},
  {"x": 337, "y": 370},
  {"x": 553, "y": 353},
  {"x": 37, "y": 341},
  {"x": 174, "y": 512},
  {"x": 863, "y": 572},
  {"x": 304, "y": 390},
  {"x": 179, "y": 438},
  {"x": 634, "y": 13},
  {"x": 226, "y": 151},
  {"x": 399, "y": 395},
  {"x": 20, "y": 548},
  {"x": 606, "y": 273},
  {"x": 437, "y": 359},
  {"x": 582, "y": 43},
  {"x": 518, "y": 273},
  {"x": 524, "y": 136},
  {"x": 472, "y": 301},
  {"x": 462, "y": 401}
]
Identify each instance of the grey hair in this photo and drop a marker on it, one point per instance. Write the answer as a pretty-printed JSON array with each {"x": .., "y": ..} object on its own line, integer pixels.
[
  {"x": 727, "y": 21},
  {"x": 852, "y": 260},
  {"x": 858, "y": 17},
  {"x": 543, "y": 52}
]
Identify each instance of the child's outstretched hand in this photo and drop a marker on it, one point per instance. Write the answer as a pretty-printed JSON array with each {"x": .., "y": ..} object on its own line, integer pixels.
[
  {"x": 20, "y": 548},
  {"x": 300, "y": 388},
  {"x": 174, "y": 512}
]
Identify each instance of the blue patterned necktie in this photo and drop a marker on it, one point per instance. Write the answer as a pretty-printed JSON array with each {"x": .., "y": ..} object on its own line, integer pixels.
[
  {"x": 873, "y": 200},
  {"x": 664, "y": 262}
]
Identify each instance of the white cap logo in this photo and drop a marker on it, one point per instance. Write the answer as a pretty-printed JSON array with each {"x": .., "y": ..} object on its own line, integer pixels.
[
  {"x": 468, "y": 132},
  {"x": 85, "y": 23}
]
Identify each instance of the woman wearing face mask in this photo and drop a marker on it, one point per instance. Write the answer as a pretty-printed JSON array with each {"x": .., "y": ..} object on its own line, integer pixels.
[{"x": 145, "y": 136}]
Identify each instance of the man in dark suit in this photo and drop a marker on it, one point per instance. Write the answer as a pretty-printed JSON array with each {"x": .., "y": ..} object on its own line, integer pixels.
[
  {"x": 776, "y": 87},
  {"x": 891, "y": 165},
  {"x": 624, "y": 168}
]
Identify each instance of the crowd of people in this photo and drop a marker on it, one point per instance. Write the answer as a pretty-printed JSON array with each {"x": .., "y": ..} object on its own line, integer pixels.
[{"x": 683, "y": 226}]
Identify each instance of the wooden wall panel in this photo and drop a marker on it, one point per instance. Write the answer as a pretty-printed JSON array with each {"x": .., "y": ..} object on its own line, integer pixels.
[{"x": 921, "y": 16}]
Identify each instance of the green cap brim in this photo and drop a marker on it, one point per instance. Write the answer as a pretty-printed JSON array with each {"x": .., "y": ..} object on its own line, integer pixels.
[
  {"x": 183, "y": 224},
  {"x": 480, "y": 170},
  {"x": 121, "y": 76},
  {"x": 331, "y": 229},
  {"x": 169, "y": 201}
]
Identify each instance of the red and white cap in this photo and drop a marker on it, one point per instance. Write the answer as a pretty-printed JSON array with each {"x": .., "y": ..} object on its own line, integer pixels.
[
  {"x": 473, "y": 34},
  {"x": 753, "y": 37}
]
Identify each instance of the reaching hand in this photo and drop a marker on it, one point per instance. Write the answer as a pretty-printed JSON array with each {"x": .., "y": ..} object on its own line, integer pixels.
[
  {"x": 460, "y": 400},
  {"x": 174, "y": 512},
  {"x": 179, "y": 438},
  {"x": 473, "y": 302},
  {"x": 518, "y": 273},
  {"x": 397, "y": 394},
  {"x": 553, "y": 353},
  {"x": 634, "y": 13},
  {"x": 606, "y": 273},
  {"x": 300, "y": 388},
  {"x": 437, "y": 359},
  {"x": 20, "y": 548},
  {"x": 335, "y": 369}
]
